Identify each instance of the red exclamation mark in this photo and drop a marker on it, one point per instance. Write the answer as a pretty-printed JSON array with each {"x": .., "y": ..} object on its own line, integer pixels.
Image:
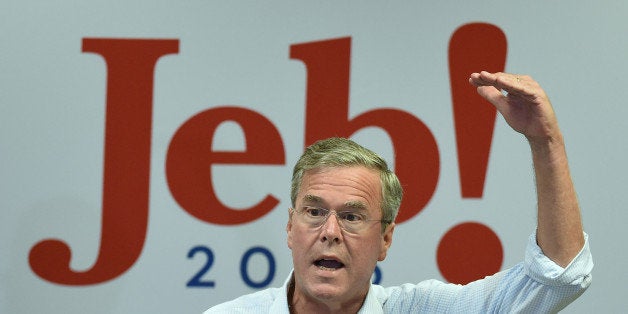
[{"x": 471, "y": 250}]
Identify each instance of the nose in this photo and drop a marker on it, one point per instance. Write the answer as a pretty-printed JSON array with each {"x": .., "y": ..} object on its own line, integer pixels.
[{"x": 331, "y": 231}]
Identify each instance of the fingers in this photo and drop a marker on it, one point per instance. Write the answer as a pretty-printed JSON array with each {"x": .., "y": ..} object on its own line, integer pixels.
[
  {"x": 498, "y": 80},
  {"x": 490, "y": 86},
  {"x": 514, "y": 84}
]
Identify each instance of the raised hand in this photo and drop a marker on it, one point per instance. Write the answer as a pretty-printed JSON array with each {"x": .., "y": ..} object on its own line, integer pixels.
[{"x": 521, "y": 101}]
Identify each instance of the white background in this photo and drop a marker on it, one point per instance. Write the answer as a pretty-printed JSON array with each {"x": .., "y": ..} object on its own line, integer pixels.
[{"x": 237, "y": 53}]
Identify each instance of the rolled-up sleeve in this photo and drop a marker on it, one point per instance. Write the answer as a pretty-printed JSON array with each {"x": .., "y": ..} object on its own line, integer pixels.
[
  {"x": 540, "y": 268},
  {"x": 536, "y": 285}
]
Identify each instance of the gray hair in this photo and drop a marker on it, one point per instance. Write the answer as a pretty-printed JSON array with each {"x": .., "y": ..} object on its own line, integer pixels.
[{"x": 342, "y": 152}]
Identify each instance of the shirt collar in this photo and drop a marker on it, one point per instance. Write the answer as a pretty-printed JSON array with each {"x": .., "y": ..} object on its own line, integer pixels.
[{"x": 280, "y": 305}]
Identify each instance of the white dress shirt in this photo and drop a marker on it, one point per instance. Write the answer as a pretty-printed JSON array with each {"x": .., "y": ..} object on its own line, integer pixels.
[{"x": 536, "y": 285}]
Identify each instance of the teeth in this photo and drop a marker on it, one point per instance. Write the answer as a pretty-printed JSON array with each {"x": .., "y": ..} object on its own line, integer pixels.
[{"x": 325, "y": 268}]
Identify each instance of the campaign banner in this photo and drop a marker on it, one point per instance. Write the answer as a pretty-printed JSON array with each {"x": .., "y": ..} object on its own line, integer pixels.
[{"x": 146, "y": 147}]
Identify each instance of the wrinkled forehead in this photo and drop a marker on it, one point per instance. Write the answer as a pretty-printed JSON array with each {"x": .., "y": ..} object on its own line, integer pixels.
[{"x": 354, "y": 187}]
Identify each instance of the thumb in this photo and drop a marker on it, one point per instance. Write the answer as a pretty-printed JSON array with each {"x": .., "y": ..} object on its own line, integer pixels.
[{"x": 492, "y": 94}]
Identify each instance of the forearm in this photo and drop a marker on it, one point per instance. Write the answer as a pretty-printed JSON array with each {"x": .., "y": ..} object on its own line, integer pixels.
[{"x": 559, "y": 231}]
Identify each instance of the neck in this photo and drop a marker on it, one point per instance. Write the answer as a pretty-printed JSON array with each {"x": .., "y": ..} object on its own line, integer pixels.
[{"x": 299, "y": 302}]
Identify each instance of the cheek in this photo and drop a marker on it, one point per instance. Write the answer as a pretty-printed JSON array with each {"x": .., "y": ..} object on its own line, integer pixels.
[
  {"x": 298, "y": 240},
  {"x": 366, "y": 251}
]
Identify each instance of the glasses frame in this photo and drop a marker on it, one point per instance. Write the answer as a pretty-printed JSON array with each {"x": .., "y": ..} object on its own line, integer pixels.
[{"x": 342, "y": 222}]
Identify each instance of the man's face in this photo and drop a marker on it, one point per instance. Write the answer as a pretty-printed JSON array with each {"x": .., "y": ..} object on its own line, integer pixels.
[{"x": 331, "y": 264}]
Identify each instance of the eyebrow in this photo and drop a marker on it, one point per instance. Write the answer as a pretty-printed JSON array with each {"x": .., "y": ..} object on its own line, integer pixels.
[
  {"x": 313, "y": 199},
  {"x": 318, "y": 201},
  {"x": 355, "y": 205}
]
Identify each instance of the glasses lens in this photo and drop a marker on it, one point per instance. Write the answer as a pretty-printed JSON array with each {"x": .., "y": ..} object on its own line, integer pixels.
[{"x": 350, "y": 221}]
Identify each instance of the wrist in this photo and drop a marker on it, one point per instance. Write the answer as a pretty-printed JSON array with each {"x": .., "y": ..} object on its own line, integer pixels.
[{"x": 548, "y": 149}]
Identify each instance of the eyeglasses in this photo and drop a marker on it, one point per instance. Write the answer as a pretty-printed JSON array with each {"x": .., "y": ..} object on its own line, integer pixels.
[{"x": 350, "y": 220}]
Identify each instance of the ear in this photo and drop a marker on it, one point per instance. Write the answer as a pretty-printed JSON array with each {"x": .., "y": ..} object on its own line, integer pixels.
[
  {"x": 289, "y": 228},
  {"x": 387, "y": 238}
]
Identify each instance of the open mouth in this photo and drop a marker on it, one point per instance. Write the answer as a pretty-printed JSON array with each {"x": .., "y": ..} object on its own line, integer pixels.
[{"x": 328, "y": 264}]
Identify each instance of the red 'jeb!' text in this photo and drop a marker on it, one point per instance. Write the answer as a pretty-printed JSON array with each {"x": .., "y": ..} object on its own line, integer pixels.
[{"x": 127, "y": 146}]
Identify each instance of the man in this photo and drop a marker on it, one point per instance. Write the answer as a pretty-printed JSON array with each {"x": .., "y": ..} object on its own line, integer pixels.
[{"x": 344, "y": 201}]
